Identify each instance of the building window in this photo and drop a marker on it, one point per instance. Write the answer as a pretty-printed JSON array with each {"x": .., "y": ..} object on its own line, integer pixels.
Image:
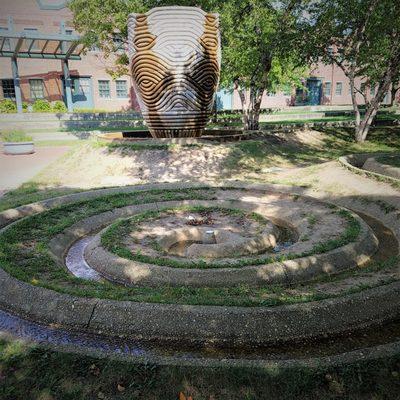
[
  {"x": 339, "y": 87},
  {"x": 36, "y": 86},
  {"x": 29, "y": 42},
  {"x": 6, "y": 42},
  {"x": 327, "y": 89},
  {"x": 372, "y": 90},
  {"x": 104, "y": 89},
  {"x": 8, "y": 88},
  {"x": 363, "y": 88},
  {"x": 122, "y": 89},
  {"x": 69, "y": 31}
]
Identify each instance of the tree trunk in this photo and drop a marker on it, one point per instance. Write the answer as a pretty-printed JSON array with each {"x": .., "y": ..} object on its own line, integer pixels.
[
  {"x": 363, "y": 128},
  {"x": 356, "y": 109},
  {"x": 251, "y": 107},
  {"x": 244, "y": 103},
  {"x": 371, "y": 110}
]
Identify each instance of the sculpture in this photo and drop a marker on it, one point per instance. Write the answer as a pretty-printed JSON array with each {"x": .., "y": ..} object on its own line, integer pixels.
[{"x": 175, "y": 62}]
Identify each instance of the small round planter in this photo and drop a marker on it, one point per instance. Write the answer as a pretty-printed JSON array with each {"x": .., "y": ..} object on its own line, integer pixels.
[{"x": 16, "y": 148}]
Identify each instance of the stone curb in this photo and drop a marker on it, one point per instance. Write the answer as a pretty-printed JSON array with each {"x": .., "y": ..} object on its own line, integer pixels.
[
  {"x": 354, "y": 163},
  {"x": 199, "y": 324},
  {"x": 317, "y": 363},
  {"x": 254, "y": 325},
  {"x": 132, "y": 273}
]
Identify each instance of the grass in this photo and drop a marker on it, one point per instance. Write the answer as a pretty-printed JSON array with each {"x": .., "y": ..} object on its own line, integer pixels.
[
  {"x": 111, "y": 240},
  {"x": 29, "y": 372},
  {"x": 31, "y": 192},
  {"x": 24, "y": 254},
  {"x": 255, "y": 155},
  {"x": 15, "y": 136}
]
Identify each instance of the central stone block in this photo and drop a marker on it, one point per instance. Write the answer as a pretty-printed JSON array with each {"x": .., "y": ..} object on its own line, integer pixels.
[
  {"x": 175, "y": 62},
  {"x": 220, "y": 243}
]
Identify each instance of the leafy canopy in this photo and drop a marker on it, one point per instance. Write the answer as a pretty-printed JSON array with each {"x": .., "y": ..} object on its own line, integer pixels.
[{"x": 255, "y": 34}]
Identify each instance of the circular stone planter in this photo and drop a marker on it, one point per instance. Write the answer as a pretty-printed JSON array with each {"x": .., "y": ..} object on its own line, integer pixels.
[
  {"x": 131, "y": 273},
  {"x": 190, "y": 323},
  {"x": 18, "y": 148},
  {"x": 367, "y": 164}
]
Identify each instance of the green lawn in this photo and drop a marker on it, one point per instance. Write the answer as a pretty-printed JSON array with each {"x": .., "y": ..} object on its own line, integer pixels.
[{"x": 28, "y": 372}]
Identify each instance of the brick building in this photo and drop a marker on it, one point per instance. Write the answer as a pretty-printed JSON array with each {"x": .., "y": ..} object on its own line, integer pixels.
[{"x": 92, "y": 86}]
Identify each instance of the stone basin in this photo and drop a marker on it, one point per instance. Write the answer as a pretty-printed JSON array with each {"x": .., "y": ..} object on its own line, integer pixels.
[{"x": 203, "y": 242}]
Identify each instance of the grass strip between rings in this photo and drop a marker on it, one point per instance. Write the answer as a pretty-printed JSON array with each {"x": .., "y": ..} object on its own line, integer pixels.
[
  {"x": 110, "y": 240},
  {"x": 25, "y": 255}
]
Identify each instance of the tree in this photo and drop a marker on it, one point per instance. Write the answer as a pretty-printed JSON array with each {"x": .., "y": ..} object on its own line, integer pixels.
[
  {"x": 256, "y": 52},
  {"x": 362, "y": 37},
  {"x": 255, "y": 36}
]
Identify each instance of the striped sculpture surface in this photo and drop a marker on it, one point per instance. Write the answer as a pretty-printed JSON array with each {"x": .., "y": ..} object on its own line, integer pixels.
[{"x": 175, "y": 62}]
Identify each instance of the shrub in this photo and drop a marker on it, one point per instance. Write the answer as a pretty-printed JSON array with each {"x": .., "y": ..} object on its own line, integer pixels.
[
  {"x": 41, "y": 105},
  {"x": 58, "y": 106},
  {"x": 15, "y": 136},
  {"x": 25, "y": 106},
  {"x": 7, "y": 106}
]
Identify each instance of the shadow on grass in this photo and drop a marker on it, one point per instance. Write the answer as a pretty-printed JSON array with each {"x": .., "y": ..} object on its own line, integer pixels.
[
  {"x": 273, "y": 150},
  {"x": 36, "y": 373}
]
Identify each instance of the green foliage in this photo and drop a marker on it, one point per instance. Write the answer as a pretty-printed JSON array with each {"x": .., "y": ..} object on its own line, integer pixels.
[
  {"x": 8, "y": 106},
  {"x": 58, "y": 106},
  {"x": 15, "y": 136},
  {"x": 362, "y": 37},
  {"x": 257, "y": 50},
  {"x": 41, "y": 105}
]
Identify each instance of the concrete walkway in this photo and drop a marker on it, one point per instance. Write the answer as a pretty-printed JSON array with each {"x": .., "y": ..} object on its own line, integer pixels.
[{"x": 15, "y": 170}]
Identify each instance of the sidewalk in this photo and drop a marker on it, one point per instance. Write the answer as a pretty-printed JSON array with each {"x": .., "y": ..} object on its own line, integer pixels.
[{"x": 15, "y": 170}]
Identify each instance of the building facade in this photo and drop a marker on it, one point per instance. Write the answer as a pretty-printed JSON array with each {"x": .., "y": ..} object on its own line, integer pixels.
[{"x": 93, "y": 87}]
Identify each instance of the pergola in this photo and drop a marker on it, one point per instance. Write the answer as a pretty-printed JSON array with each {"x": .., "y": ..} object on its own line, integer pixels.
[{"x": 40, "y": 46}]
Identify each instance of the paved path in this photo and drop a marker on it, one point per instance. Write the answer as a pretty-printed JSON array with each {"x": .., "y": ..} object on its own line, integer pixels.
[{"x": 15, "y": 170}]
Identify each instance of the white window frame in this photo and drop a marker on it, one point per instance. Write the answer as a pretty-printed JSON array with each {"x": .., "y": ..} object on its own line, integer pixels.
[
  {"x": 337, "y": 86},
  {"x": 100, "y": 82},
  {"x": 126, "y": 95},
  {"x": 34, "y": 97},
  {"x": 327, "y": 84}
]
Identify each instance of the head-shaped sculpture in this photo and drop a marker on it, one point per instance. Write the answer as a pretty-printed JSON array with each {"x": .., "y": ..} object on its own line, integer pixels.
[{"x": 175, "y": 63}]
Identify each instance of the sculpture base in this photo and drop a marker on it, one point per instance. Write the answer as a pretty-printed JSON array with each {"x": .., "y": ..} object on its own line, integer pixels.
[{"x": 176, "y": 133}]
